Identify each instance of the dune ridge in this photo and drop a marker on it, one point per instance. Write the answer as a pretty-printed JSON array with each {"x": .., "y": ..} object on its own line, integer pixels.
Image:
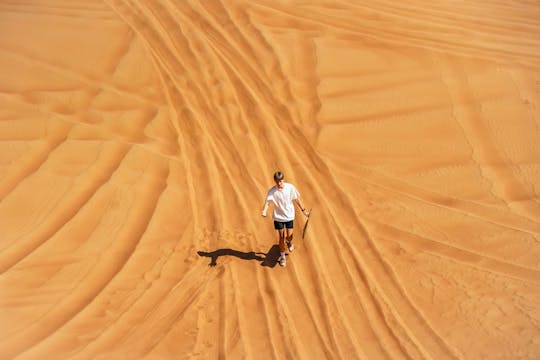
[{"x": 139, "y": 138}]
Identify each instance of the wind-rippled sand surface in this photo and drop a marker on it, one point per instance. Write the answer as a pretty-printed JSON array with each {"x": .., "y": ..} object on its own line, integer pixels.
[{"x": 138, "y": 139}]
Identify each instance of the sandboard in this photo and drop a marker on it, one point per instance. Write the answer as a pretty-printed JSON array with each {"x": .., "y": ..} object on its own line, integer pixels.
[{"x": 305, "y": 225}]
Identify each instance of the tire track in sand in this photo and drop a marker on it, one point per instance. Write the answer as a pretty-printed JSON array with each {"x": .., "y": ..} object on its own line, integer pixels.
[
  {"x": 196, "y": 126},
  {"x": 297, "y": 284},
  {"x": 229, "y": 176},
  {"x": 272, "y": 102},
  {"x": 214, "y": 145}
]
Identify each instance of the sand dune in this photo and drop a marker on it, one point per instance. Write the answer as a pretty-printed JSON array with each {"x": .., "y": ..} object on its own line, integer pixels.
[{"x": 138, "y": 139}]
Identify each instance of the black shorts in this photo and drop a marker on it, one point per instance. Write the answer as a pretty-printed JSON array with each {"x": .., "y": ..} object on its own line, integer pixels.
[{"x": 278, "y": 225}]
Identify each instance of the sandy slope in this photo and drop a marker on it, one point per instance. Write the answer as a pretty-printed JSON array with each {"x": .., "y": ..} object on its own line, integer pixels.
[{"x": 138, "y": 138}]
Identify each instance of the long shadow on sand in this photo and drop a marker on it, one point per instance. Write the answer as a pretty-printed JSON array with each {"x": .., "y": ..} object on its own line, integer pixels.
[{"x": 269, "y": 259}]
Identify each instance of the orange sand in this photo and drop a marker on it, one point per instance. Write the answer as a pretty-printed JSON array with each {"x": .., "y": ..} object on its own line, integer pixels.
[{"x": 138, "y": 139}]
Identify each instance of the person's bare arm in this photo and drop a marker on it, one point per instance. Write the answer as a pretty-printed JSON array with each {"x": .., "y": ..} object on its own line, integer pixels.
[
  {"x": 265, "y": 208},
  {"x": 299, "y": 203}
]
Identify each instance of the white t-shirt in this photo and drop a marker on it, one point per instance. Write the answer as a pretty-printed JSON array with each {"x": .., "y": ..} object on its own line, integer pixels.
[{"x": 283, "y": 201}]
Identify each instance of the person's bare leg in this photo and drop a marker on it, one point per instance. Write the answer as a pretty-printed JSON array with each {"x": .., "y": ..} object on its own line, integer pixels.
[
  {"x": 281, "y": 237},
  {"x": 282, "y": 247},
  {"x": 290, "y": 240}
]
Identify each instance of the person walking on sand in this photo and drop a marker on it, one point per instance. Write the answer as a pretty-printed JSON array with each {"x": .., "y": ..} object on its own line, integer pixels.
[{"x": 282, "y": 195}]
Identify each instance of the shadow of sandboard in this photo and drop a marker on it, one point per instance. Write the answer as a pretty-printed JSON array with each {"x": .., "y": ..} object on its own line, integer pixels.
[{"x": 272, "y": 257}]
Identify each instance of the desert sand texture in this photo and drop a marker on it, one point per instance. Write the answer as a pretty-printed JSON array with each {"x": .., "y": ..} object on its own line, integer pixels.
[{"x": 138, "y": 140}]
